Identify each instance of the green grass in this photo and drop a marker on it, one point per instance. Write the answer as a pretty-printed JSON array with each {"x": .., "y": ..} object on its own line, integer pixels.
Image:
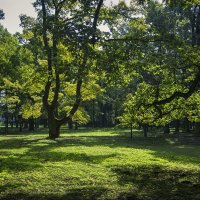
[{"x": 100, "y": 164}]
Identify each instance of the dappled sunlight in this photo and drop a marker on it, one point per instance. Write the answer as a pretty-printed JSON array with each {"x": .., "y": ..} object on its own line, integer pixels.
[{"x": 96, "y": 164}]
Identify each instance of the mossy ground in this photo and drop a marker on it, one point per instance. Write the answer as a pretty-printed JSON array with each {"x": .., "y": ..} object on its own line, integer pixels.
[{"x": 100, "y": 164}]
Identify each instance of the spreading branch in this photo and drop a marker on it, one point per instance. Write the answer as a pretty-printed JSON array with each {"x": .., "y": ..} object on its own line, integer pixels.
[
  {"x": 184, "y": 95},
  {"x": 95, "y": 21}
]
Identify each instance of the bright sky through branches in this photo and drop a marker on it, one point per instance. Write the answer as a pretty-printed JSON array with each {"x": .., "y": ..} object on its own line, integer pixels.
[{"x": 13, "y": 8}]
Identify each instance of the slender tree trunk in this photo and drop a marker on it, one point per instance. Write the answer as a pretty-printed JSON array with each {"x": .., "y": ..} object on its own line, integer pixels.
[
  {"x": 93, "y": 104},
  {"x": 166, "y": 130},
  {"x": 16, "y": 123},
  {"x": 76, "y": 125},
  {"x": 37, "y": 123},
  {"x": 20, "y": 126},
  {"x": 26, "y": 124},
  {"x": 20, "y": 122},
  {"x": 6, "y": 123},
  {"x": 131, "y": 130},
  {"x": 12, "y": 121},
  {"x": 145, "y": 128},
  {"x": 31, "y": 124},
  {"x": 177, "y": 126},
  {"x": 70, "y": 124},
  {"x": 186, "y": 125}
]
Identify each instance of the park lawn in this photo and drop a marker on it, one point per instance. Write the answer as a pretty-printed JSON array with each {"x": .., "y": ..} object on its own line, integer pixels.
[{"x": 100, "y": 164}]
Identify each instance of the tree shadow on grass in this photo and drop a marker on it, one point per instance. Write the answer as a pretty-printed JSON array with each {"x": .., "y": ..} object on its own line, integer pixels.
[
  {"x": 149, "y": 183},
  {"x": 75, "y": 157},
  {"x": 18, "y": 164},
  {"x": 8, "y": 186},
  {"x": 89, "y": 193},
  {"x": 40, "y": 149},
  {"x": 161, "y": 147},
  {"x": 155, "y": 182},
  {"x": 18, "y": 142}
]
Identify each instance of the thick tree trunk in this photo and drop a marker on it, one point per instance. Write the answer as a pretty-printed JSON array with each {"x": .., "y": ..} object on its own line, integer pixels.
[
  {"x": 54, "y": 132},
  {"x": 54, "y": 127}
]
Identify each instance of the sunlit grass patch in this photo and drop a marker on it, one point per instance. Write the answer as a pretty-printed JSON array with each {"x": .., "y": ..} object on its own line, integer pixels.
[{"x": 100, "y": 164}]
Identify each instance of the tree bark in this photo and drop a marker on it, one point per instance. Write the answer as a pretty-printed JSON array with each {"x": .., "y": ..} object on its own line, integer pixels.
[
  {"x": 6, "y": 123},
  {"x": 20, "y": 126},
  {"x": 93, "y": 104},
  {"x": 177, "y": 126},
  {"x": 197, "y": 127},
  {"x": 186, "y": 125},
  {"x": 12, "y": 121},
  {"x": 54, "y": 127},
  {"x": 131, "y": 130},
  {"x": 166, "y": 130},
  {"x": 70, "y": 124},
  {"x": 31, "y": 124},
  {"x": 16, "y": 122},
  {"x": 26, "y": 124},
  {"x": 145, "y": 128},
  {"x": 76, "y": 125}
]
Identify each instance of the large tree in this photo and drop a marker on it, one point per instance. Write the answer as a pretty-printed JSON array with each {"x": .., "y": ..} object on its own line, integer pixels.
[
  {"x": 169, "y": 67},
  {"x": 69, "y": 33}
]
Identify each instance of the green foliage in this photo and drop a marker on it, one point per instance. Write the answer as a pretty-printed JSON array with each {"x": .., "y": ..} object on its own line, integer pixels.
[
  {"x": 8, "y": 54},
  {"x": 89, "y": 91},
  {"x": 150, "y": 51},
  {"x": 167, "y": 65},
  {"x": 81, "y": 116},
  {"x": 29, "y": 110},
  {"x": 193, "y": 108}
]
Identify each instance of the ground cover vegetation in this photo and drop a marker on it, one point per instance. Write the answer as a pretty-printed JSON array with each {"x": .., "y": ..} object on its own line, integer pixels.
[
  {"x": 86, "y": 63},
  {"x": 97, "y": 164}
]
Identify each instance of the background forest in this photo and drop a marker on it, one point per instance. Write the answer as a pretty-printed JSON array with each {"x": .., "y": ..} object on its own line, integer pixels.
[
  {"x": 83, "y": 63},
  {"x": 101, "y": 101}
]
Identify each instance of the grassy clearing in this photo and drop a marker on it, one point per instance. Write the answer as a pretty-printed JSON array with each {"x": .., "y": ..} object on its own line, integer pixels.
[{"x": 101, "y": 164}]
